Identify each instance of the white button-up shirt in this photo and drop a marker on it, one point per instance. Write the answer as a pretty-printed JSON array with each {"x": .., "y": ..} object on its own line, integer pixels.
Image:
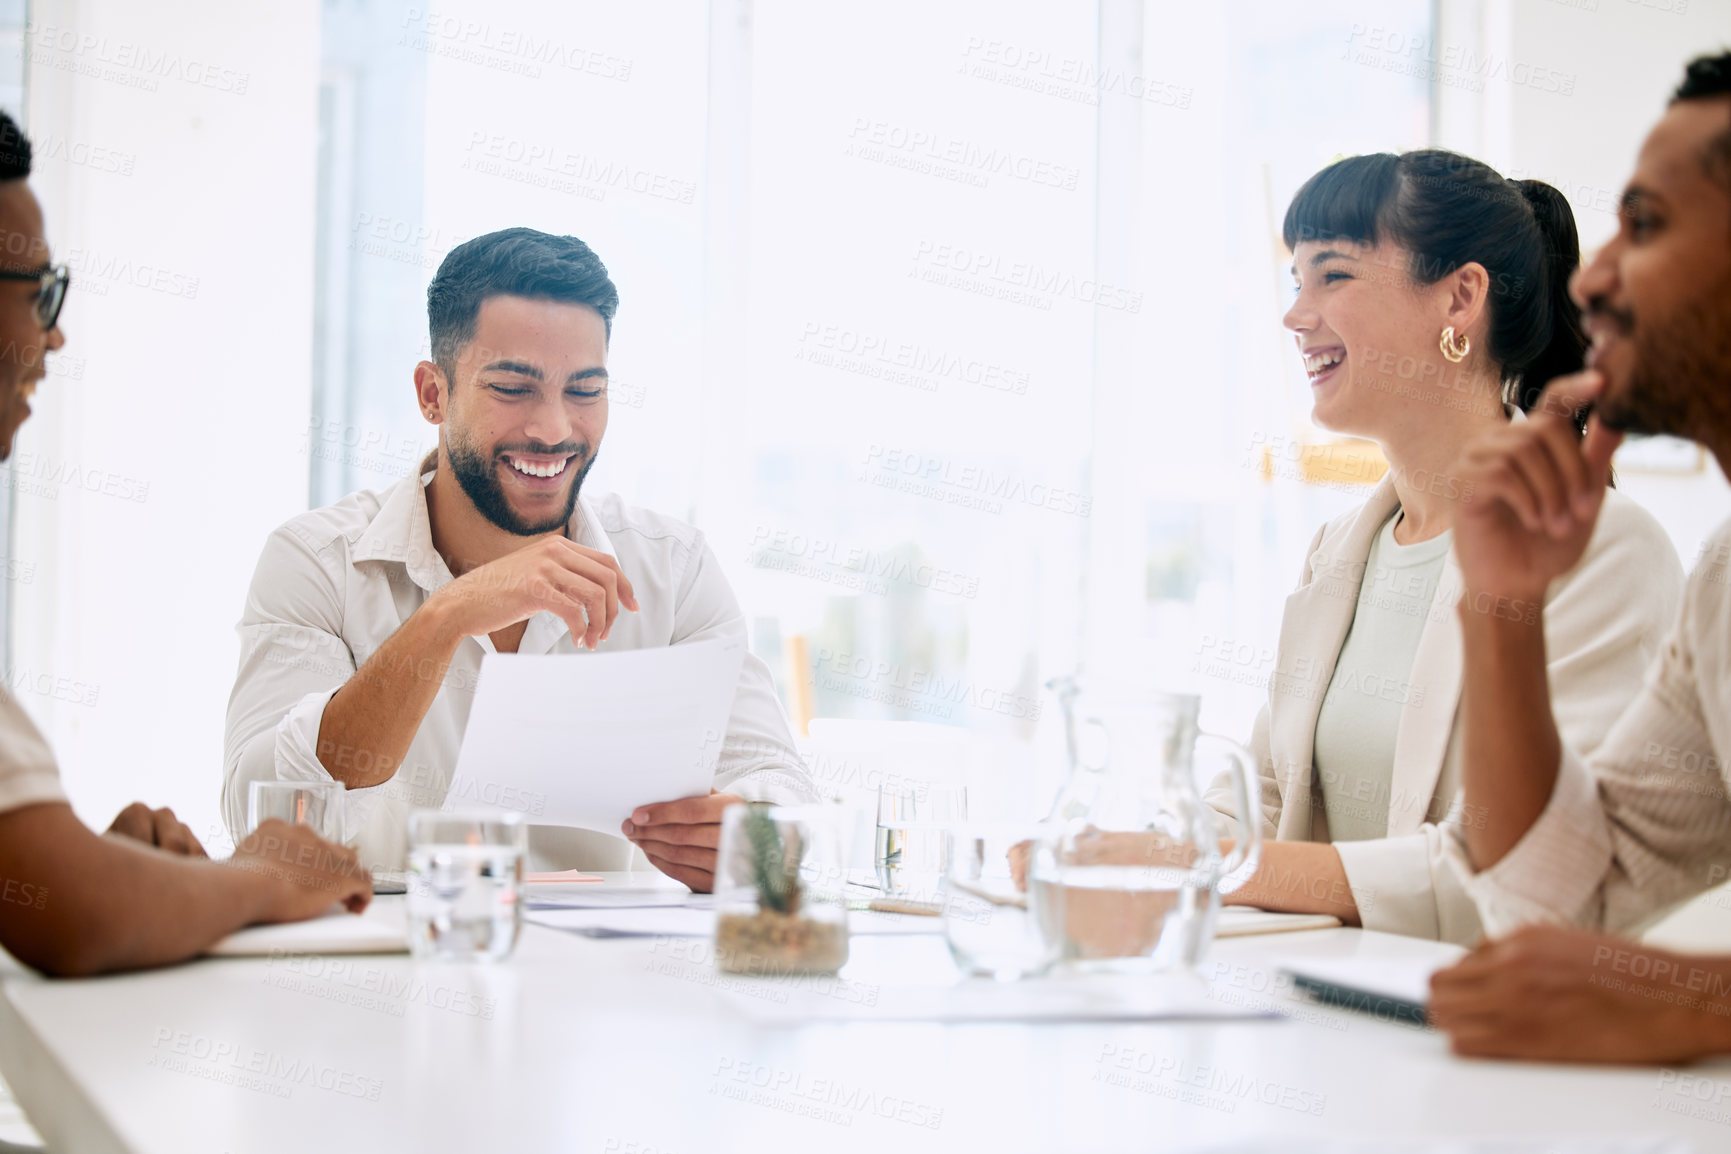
[{"x": 334, "y": 583}]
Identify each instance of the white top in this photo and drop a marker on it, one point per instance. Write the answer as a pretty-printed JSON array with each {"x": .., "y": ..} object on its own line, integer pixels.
[
  {"x": 333, "y": 584},
  {"x": 28, "y": 775},
  {"x": 1645, "y": 821},
  {"x": 1360, "y": 716},
  {"x": 1600, "y": 636},
  {"x": 639, "y": 1046}
]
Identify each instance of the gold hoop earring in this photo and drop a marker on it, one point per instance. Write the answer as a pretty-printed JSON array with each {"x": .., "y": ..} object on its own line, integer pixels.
[{"x": 1454, "y": 352}]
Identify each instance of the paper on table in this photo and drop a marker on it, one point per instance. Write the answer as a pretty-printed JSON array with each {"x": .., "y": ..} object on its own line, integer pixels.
[
  {"x": 657, "y": 922},
  {"x": 1242, "y": 921},
  {"x": 595, "y": 735},
  {"x": 695, "y": 918},
  {"x": 575, "y": 898},
  {"x": 871, "y": 922},
  {"x": 337, "y": 932},
  {"x": 558, "y": 877},
  {"x": 1113, "y": 998}
]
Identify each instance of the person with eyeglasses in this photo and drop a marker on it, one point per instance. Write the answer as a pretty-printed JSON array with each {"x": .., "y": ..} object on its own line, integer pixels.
[
  {"x": 50, "y": 282},
  {"x": 145, "y": 893}
]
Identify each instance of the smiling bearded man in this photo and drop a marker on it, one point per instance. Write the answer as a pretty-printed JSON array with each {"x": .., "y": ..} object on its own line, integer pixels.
[{"x": 367, "y": 620}]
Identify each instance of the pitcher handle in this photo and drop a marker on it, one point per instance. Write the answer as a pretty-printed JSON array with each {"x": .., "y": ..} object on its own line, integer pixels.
[{"x": 1238, "y": 865}]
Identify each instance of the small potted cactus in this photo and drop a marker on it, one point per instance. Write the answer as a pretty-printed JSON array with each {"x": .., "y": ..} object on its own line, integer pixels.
[{"x": 778, "y": 892}]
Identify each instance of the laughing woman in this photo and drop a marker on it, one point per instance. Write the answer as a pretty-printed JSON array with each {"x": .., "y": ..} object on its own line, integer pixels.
[{"x": 1432, "y": 305}]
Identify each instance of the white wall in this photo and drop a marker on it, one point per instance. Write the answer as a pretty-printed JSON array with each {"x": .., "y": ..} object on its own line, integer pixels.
[
  {"x": 1570, "y": 91},
  {"x": 182, "y": 405}
]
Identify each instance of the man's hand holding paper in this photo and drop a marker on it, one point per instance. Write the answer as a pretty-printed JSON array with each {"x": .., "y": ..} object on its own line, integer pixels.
[{"x": 680, "y": 837}]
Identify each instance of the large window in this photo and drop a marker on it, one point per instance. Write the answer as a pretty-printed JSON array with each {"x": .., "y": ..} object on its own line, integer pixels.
[{"x": 956, "y": 329}]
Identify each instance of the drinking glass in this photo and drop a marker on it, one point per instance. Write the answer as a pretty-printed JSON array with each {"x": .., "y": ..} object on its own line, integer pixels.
[
  {"x": 315, "y": 803},
  {"x": 909, "y": 850},
  {"x": 988, "y": 925},
  {"x": 465, "y": 883}
]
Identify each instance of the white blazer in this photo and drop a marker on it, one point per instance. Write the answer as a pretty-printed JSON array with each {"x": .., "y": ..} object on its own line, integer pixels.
[{"x": 1604, "y": 622}]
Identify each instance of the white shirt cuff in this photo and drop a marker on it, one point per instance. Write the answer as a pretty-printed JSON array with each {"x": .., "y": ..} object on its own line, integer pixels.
[
  {"x": 1553, "y": 873},
  {"x": 1391, "y": 884},
  {"x": 297, "y": 759}
]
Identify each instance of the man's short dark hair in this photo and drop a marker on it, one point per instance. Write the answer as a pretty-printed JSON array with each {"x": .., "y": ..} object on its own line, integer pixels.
[
  {"x": 512, "y": 262},
  {"x": 1709, "y": 78},
  {"x": 14, "y": 150}
]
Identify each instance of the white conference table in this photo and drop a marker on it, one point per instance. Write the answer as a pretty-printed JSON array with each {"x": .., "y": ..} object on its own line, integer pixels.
[{"x": 577, "y": 1044}]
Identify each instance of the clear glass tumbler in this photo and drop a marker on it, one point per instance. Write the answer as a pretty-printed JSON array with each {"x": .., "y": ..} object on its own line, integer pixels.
[
  {"x": 315, "y": 803},
  {"x": 465, "y": 883},
  {"x": 909, "y": 850},
  {"x": 988, "y": 923}
]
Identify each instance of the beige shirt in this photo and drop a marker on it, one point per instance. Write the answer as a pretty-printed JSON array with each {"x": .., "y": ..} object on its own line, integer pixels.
[
  {"x": 28, "y": 775},
  {"x": 333, "y": 584},
  {"x": 1604, "y": 622},
  {"x": 1643, "y": 821}
]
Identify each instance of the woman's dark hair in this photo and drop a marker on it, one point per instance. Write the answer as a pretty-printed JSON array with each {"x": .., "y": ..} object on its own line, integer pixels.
[{"x": 1449, "y": 210}]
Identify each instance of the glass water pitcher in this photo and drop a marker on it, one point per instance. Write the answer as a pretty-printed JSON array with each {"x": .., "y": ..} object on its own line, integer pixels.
[{"x": 1132, "y": 877}]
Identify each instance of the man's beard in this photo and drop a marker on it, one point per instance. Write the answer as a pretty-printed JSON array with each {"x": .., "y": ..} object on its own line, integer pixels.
[
  {"x": 475, "y": 473},
  {"x": 1681, "y": 382}
]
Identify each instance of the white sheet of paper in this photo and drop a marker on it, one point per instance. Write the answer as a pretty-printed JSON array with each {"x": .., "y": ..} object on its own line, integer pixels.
[
  {"x": 656, "y": 922},
  {"x": 695, "y": 918},
  {"x": 377, "y": 931},
  {"x": 1103, "y": 998},
  {"x": 870, "y": 922},
  {"x": 1243, "y": 921},
  {"x": 592, "y": 736},
  {"x": 574, "y": 898}
]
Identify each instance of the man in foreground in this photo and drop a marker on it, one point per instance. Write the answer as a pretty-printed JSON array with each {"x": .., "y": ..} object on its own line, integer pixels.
[
  {"x": 145, "y": 894},
  {"x": 367, "y": 621},
  {"x": 1608, "y": 846}
]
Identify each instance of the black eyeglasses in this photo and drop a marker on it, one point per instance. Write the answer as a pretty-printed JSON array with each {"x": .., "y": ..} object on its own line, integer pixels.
[{"x": 51, "y": 285}]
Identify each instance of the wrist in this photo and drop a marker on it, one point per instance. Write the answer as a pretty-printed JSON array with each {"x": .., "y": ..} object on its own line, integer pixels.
[
  {"x": 261, "y": 891},
  {"x": 441, "y": 616},
  {"x": 1707, "y": 1024},
  {"x": 1501, "y": 610}
]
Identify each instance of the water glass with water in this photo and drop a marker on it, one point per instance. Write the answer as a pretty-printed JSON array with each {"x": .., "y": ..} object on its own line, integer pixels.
[
  {"x": 988, "y": 923},
  {"x": 909, "y": 849},
  {"x": 318, "y": 804},
  {"x": 465, "y": 883}
]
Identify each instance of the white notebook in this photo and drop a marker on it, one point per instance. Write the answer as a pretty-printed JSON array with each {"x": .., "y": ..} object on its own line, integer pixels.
[
  {"x": 337, "y": 932},
  {"x": 1242, "y": 921}
]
